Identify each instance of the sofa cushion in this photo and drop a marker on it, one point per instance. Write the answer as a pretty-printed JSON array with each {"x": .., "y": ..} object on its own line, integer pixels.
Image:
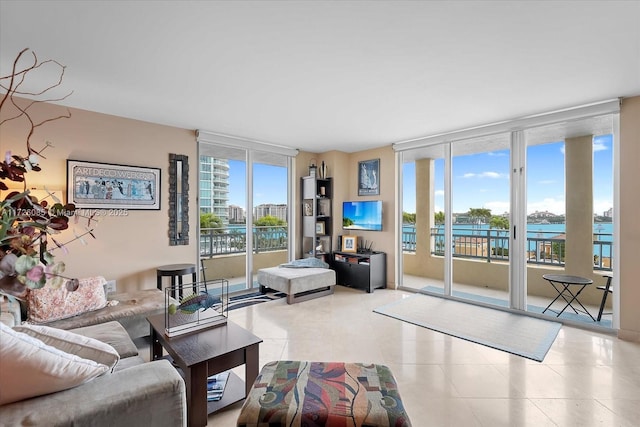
[
  {"x": 70, "y": 342},
  {"x": 48, "y": 304},
  {"x": 31, "y": 368},
  {"x": 112, "y": 333}
]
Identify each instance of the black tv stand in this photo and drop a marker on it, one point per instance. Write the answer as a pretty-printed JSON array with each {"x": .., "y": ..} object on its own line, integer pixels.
[{"x": 366, "y": 271}]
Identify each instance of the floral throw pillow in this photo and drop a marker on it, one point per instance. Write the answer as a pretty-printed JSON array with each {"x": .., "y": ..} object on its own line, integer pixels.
[{"x": 48, "y": 304}]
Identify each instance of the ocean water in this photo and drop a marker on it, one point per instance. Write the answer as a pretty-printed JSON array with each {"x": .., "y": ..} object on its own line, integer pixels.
[
  {"x": 602, "y": 232},
  {"x": 533, "y": 230}
]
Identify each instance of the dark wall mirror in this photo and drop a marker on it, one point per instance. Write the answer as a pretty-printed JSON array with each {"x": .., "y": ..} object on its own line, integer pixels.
[{"x": 178, "y": 199}]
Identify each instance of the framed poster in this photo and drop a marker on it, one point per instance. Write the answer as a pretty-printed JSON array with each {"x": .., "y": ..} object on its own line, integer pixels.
[
  {"x": 349, "y": 243},
  {"x": 307, "y": 207},
  {"x": 369, "y": 177},
  {"x": 93, "y": 185},
  {"x": 319, "y": 227}
]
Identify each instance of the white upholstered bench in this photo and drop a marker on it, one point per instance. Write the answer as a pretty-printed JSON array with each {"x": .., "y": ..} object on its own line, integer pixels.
[{"x": 300, "y": 284}]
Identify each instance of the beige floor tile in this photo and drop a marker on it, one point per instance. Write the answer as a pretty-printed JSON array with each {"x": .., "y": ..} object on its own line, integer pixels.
[
  {"x": 540, "y": 381},
  {"x": 627, "y": 411},
  {"x": 601, "y": 382},
  {"x": 579, "y": 413},
  {"x": 508, "y": 412},
  {"x": 440, "y": 412},
  {"x": 414, "y": 386},
  {"x": 481, "y": 381},
  {"x": 588, "y": 378}
]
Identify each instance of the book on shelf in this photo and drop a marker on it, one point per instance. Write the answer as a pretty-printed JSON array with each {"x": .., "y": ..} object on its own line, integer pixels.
[{"x": 215, "y": 386}]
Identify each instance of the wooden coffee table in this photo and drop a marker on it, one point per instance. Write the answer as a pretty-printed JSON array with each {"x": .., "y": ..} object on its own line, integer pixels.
[{"x": 207, "y": 352}]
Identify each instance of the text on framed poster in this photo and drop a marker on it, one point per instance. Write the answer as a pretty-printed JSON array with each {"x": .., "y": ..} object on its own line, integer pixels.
[{"x": 94, "y": 185}]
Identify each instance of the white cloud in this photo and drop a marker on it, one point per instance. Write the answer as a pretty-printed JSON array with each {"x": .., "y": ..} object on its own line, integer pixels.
[
  {"x": 439, "y": 193},
  {"x": 600, "y": 206},
  {"x": 599, "y": 146},
  {"x": 488, "y": 174},
  {"x": 547, "y": 182},
  {"x": 494, "y": 175}
]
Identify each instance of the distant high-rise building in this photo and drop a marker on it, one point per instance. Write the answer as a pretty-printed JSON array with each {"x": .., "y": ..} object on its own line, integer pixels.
[
  {"x": 269, "y": 209},
  {"x": 236, "y": 214},
  {"x": 214, "y": 187},
  {"x": 608, "y": 213}
]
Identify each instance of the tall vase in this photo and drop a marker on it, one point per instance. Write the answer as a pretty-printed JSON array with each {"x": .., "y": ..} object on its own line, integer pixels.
[{"x": 323, "y": 170}]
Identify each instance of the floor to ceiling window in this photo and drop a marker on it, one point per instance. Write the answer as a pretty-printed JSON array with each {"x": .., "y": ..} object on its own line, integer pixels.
[
  {"x": 570, "y": 212},
  {"x": 521, "y": 199},
  {"x": 423, "y": 220},
  {"x": 480, "y": 218},
  {"x": 270, "y": 213},
  {"x": 245, "y": 208}
]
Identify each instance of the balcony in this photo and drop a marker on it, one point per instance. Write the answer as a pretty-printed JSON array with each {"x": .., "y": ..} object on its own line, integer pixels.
[
  {"x": 223, "y": 252},
  {"x": 481, "y": 266},
  {"x": 546, "y": 248}
]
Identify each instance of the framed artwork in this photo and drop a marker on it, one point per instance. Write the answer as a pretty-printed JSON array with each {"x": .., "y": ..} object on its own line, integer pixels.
[
  {"x": 93, "y": 185},
  {"x": 307, "y": 207},
  {"x": 369, "y": 177},
  {"x": 320, "y": 227},
  {"x": 324, "y": 207},
  {"x": 349, "y": 243}
]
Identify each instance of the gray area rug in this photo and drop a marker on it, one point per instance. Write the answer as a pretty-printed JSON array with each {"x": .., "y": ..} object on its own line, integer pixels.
[{"x": 514, "y": 333}]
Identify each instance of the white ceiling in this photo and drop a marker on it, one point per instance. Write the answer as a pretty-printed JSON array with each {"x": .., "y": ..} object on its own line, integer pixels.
[{"x": 325, "y": 75}]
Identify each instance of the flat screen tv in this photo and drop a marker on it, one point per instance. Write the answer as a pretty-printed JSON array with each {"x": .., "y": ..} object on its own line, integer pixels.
[{"x": 362, "y": 215}]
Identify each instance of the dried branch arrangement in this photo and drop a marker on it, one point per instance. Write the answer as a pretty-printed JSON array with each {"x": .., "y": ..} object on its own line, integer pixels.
[{"x": 26, "y": 223}]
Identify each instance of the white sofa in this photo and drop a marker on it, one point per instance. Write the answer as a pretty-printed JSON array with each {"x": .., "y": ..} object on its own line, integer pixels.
[{"x": 135, "y": 394}]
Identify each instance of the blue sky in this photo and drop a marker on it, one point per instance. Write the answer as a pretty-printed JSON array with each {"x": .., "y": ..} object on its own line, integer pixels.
[
  {"x": 269, "y": 183},
  {"x": 479, "y": 180},
  {"x": 482, "y": 180}
]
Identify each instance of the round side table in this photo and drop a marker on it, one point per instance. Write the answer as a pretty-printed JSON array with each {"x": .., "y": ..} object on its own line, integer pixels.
[{"x": 176, "y": 271}]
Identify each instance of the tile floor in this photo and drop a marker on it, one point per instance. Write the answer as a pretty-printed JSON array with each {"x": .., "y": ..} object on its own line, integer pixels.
[{"x": 587, "y": 378}]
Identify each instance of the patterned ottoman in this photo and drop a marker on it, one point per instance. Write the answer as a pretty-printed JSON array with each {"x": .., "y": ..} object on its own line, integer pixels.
[{"x": 319, "y": 394}]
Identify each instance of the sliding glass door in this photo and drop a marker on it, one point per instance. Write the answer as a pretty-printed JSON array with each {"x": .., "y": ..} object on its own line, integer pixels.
[
  {"x": 270, "y": 211},
  {"x": 480, "y": 213},
  {"x": 244, "y": 212},
  {"x": 423, "y": 219},
  {"x": 570, "y": 214},
  {"x": 486, "y": 217}
]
